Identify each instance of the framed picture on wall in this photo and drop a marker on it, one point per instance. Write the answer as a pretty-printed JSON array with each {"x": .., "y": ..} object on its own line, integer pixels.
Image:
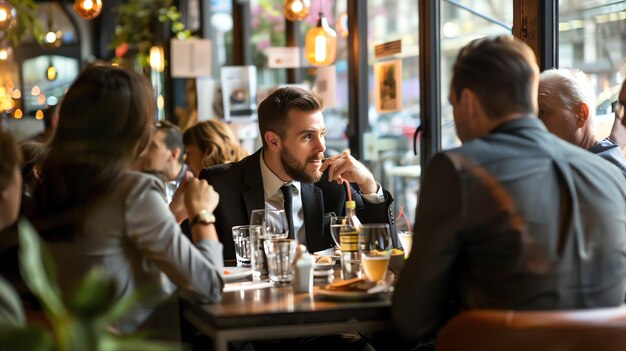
[{"x": 388, "y": 86}]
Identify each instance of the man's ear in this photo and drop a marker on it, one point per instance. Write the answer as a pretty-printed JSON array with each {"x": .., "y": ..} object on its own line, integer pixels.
[
  {"x": 175, "y": 153},
  {"x": 468, "y": 100},
  {"x": 272, "y": 140},
  {"x": 582, "y": 115}
]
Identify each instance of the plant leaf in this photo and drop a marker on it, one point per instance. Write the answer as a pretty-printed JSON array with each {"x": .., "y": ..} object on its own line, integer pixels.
[
  {"x": 33, "y": 270},
  {"x": 32, "y": 339}
]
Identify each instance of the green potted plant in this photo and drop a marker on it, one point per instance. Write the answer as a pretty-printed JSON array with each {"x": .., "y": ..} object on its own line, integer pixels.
[
  {"x": 137, "y": 26},
  {"x": 77, "y": 322}
]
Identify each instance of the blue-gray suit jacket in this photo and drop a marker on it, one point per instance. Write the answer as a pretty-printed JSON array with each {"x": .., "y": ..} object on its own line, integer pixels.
[{"x": 518, "y": 219}]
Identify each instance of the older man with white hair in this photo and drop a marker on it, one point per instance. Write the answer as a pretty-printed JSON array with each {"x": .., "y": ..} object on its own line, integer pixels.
[{"x": 567, "y": 107}]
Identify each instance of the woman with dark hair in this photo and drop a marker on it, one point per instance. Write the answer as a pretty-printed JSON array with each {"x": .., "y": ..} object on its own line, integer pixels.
[
  {"x": 211, "y": 143},
  {"x": 94, "y": 212}
]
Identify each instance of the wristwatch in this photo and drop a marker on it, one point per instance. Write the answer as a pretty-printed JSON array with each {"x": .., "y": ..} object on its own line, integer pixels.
[{"x": 203, "y": 217}]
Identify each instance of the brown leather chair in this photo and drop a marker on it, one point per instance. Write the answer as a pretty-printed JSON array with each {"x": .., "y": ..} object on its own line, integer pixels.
[{"x": 580, "y": 330}]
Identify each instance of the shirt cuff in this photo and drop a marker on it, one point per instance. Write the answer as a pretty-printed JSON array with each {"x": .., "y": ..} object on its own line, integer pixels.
[{"x": 375, "y": 198}]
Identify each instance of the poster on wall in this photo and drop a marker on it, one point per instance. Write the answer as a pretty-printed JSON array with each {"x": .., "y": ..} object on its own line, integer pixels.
[
  {"x": 388, "y": 86},
  {"x": 325, "y": 84},
  {"x": 190, "y": 58},
  {"x": 239, "y": 93}
]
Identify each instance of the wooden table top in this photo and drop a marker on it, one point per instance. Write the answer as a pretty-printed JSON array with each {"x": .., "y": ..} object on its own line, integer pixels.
[{"x": 279, "y": 305}]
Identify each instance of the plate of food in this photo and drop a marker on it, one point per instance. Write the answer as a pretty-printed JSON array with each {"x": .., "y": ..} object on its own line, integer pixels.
[
  {"x": 356, "y": 289},
  {"x": 232, "y": 274}
]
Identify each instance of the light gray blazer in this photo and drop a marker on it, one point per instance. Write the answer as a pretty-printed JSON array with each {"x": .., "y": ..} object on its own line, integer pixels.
[{"x": 131, "y": 234}]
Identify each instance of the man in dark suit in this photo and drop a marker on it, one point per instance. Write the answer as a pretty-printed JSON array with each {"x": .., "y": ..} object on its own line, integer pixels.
[
  {"x": 291, "y": 163},
  {"x": 516, "y": 218}
]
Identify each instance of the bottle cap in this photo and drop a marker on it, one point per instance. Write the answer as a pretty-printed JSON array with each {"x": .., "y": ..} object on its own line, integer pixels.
[{"x": 351, "y": 204}]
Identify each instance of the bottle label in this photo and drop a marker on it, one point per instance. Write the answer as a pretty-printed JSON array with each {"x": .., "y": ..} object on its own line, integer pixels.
[{"x": 349, "y": 241}]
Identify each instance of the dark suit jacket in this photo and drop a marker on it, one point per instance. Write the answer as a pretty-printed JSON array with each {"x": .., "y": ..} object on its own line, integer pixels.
[
  {"x": 516, "y": 220},
  {"x": 240, "y": 186}
]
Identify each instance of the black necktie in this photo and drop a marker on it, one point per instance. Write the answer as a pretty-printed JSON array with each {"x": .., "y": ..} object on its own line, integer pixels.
[{"x": 288, "y": 196}]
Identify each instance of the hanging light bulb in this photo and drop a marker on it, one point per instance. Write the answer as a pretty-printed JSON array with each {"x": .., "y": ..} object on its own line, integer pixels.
[
  {"x": 157, "y": 58},
  {"x": 88, "y": 9},
  {"x": 7, "y": 15},
  {"x": 320, "y": 45},
  {"x": 296, "y": 10},
  {"x": 51, "y": 72}
]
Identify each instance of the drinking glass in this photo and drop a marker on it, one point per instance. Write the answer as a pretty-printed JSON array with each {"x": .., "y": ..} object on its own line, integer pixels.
[
  {"x": 335, "y": 226},
  {"x": 375, "y": 247},
  {"x": 241, "y": 237},
  {"x": 271, "y": 224},
  {"x": 280, "y": 254},
  {"x": 406, "y": 240}
]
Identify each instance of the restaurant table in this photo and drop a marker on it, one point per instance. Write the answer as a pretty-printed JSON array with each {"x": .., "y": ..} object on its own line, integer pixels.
[{"x": 255, "y": 310}]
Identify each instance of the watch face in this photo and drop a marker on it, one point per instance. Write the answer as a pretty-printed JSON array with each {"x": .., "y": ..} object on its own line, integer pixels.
[{"x": 205, "y": 216}]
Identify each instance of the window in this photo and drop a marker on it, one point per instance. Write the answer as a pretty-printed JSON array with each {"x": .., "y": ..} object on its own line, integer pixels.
[
  {"x": 461, "y": 22},
  {"x": 592, "y": 38},
  {"x": 388, "y": 148}
]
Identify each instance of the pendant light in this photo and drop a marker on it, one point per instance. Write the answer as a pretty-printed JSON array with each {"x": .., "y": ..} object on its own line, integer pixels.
[
  {"x": 320, "y": 45},
  {"x": 51, "y": 72},
  {"x": 6, "y": 52},
  {"x": 296, "y": 10},
  {"x": 7, "y": 15},
  {"x": 88, "y": 9}
]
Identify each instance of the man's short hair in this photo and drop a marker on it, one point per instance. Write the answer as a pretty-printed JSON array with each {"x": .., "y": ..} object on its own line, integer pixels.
[
  {"x": 501, "y": 71},
  {"x": 173, "y": 137},
  {"x": 274, "y": 109},
  {"x": 10, "y": 157},
  {"x": 571, "y": 86}
]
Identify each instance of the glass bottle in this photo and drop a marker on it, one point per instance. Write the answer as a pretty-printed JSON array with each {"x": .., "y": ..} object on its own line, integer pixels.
[{"x": 349, "y": 240}]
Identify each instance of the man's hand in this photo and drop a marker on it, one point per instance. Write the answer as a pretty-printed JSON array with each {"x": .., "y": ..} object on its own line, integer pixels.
[{"x": 344, "y": 167}]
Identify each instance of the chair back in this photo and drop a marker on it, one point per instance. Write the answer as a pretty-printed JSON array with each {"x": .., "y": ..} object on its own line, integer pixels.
[{"x": 579, "y": 330}]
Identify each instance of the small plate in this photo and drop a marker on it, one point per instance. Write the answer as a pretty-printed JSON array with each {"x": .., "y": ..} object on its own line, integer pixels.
[
  {"x": 236, "y": 273},
  {"x": 371, "y": 294}
]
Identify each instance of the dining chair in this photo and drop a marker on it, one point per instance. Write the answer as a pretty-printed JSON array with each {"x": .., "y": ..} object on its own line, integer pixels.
[{"x": 572, "y": 330}]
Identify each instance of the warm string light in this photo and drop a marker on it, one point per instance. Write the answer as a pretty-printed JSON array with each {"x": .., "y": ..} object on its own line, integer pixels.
[{"x": 88, "y": 9}]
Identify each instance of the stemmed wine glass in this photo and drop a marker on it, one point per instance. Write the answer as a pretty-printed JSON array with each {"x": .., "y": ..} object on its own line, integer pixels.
[
  {"x": 375, "y": 247},
  {"x": 273, "y": 223}
]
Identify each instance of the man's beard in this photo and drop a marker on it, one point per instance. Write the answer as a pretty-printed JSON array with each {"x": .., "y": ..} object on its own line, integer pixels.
[{"x": 296, "y": 171}]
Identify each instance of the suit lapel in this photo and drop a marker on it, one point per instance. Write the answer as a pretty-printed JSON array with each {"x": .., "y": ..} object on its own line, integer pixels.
[
  {"x": 253, "y": 195},
  {"x": 313, "y": 207}
]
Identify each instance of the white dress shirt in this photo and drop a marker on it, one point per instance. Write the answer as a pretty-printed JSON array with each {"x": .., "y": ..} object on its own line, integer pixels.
[{"x": 274, "y": 198}]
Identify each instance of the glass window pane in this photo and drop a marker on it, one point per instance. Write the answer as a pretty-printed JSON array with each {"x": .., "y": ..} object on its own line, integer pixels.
[
  {"x": 394, "y": 87},
  {"x": 40, "y": 92},
  {"x": 592, "y": 38},
  {"x": 461, "y": 22}
]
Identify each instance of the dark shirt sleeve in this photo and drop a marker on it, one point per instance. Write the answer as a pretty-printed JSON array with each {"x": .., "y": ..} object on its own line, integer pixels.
[{"x": 422, "y": 295}]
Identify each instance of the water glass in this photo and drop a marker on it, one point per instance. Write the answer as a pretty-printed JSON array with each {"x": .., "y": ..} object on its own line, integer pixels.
[
  {"x": 241, "y": 238},
  {"x": 375, "y": 247},
  {"x": 280, "y": 254},
  {"x": 335, "y": 227}
]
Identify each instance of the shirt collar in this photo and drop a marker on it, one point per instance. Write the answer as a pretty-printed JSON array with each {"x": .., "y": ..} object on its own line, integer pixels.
[{"x": 271, "y": 182}]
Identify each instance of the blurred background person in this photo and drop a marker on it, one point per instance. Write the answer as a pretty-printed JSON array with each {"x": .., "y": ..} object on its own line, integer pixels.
[
  {"x": 567, "y": 107},
  {"x": 33, "y": 154},
  {"x": 94, "y": 212},
  {"x": 210, "y": 143},
  {"x": 164, "y": 157}
]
